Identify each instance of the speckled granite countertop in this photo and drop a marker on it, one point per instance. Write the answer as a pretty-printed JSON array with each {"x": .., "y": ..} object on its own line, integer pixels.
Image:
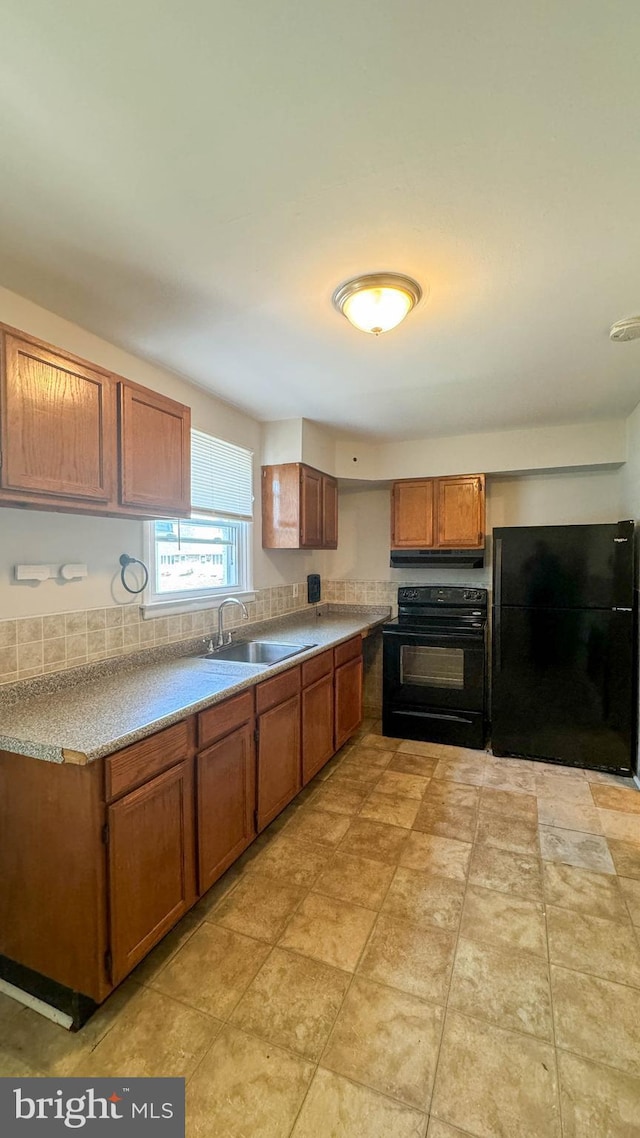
[{"x": 83, "y": 719}]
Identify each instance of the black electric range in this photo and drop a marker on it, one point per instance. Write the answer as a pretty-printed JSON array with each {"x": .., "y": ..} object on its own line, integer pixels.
[{"x": 434, "y": 665}]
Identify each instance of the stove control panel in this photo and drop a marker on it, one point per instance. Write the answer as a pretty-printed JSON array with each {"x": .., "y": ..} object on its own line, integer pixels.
[{"x": 450, "y": 595}]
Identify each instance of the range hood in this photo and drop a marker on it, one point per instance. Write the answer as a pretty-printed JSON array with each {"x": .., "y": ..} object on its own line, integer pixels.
[{"x": 456, "y": 558}]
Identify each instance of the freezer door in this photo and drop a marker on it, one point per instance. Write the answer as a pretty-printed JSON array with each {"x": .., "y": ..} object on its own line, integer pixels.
[
  {"x": 563, "y": 686},
  {"x": 564, "y": 566}
]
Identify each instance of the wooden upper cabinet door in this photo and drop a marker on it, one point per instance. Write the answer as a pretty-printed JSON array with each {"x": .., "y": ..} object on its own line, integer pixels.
[
  {"x": 329, "y": 512},
  {"x": 412, "y": 505},
  {"x": 348, "y": 700},
  {"x": 226, "y": 803},
  {"x": 310, "y": 508},
  {"x": 461, "y": 512},
  {"x": 58, "y": 425},
  {"x": 151, "y": 864},
  {"x": 279, "y": 773},
  {"x": 317, "y": 726},
  {"x": 155, "y": 452}
]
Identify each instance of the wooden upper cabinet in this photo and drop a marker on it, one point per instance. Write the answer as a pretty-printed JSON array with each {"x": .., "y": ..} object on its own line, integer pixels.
[
  {"x": 58, "y": 425},
  {"x": 461, "y": 512},
  {"x": 155, "y": 452},
  {"x": 76, "y": 438},
  {"x": 438, "y": 513},
  {"x": 299, "y": 507},
  {"x": 329, "y": 512},
  {"x": 310, "y": 508},
  {"x": 412, "y": 514}
]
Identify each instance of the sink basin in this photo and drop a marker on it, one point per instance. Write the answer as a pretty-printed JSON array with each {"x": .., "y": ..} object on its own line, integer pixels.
[{"x": 257, "y": 652}]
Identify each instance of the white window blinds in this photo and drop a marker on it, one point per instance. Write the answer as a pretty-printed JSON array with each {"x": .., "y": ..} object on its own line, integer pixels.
[{"x": 221, "y": 477}]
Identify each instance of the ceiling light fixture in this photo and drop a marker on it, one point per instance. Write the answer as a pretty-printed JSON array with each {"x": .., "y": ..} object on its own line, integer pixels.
[
  {"x": 377, "y": 302},
  {"x": 628, "y": 329}
]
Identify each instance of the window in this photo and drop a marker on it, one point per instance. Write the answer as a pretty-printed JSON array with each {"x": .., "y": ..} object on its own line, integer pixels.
[{"x": 206, "y": 555}]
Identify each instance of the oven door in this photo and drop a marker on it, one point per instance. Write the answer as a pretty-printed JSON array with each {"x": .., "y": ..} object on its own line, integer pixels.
[{"x": 434, "y": 686}]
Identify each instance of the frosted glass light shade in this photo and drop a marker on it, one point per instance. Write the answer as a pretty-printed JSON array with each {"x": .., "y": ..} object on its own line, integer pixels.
[{"x": 377, "y": 302}]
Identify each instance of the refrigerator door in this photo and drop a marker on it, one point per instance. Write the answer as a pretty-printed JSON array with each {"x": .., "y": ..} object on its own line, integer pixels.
[
  {"x": 547, "y": 567},
  {"x": 562, "y": 686}
]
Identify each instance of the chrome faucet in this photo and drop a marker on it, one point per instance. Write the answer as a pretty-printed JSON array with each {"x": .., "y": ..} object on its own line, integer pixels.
[{"x": 221, "y": 637}]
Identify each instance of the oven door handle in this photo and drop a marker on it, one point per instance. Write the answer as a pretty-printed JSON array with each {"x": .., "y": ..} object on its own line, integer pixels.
[
  {"x": 450, "y": 717},
  {"x": 436, "y": 638}
]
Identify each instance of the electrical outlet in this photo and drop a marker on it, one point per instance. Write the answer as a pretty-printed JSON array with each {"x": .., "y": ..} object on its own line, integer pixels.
[{"x": 295, "y": 590}]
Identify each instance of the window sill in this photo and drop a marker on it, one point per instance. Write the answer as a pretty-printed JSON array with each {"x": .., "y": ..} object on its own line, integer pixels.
[{"x": 191, "y": 604}]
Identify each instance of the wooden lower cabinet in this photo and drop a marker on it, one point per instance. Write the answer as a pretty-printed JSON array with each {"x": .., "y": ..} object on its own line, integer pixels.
[
  {"x": 279, "y": 773},
  {"x": 348, "y": 700},
  {"x": 127, "y": 839},
  {"x": 317, "y": 726},
  {"x": 226, "y": 802},
  {"x": 151, "y": 864}
]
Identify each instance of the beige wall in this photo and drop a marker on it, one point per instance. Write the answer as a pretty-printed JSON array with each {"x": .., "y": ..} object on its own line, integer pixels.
[
  {"x": 534, "y": 499},
  {"x": 536, "y": 448},
  {"x": 571, "y": 496},
  {"x": 630, "y": 485}
]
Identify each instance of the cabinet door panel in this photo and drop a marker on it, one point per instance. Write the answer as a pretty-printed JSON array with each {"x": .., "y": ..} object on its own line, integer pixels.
[
  {"x": 155, "y": 448},
  {"x": 461, "y": 512},
  {"x": 151, "y": 864},
  {"x": 348, "y": 707},
  {"x": 310, "y": 508},
  {"x": 330, "y": 512},
  {"x": 226, "y": 803},
  {"x": 279, "y": 774},
  {"x": 412, "y": 506},
  {"x": 317, "y": 726},
  {"x": 58, "y": 420}
]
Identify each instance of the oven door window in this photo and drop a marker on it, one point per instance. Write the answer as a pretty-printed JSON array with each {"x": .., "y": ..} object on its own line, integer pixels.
[{"x": 428, "y": 667}]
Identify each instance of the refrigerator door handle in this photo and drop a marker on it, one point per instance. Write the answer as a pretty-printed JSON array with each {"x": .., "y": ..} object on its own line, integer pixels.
[
  {"x": 497, "y": 600},
  {"x": 497, "y": 572}
]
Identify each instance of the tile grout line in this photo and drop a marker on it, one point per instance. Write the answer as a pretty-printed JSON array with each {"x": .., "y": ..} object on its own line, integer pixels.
[
  {"x": 346, "y": 993},
  {"x": 551, "y": 997},
  {"x": 454, "y": 956},
  {"x": 227, "y": 1021},
  {"x": 353, "y": 976},
  {"x": 334, "y": 850}
]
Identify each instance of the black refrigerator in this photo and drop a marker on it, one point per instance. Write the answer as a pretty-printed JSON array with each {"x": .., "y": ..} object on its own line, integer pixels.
[{"x": 563, "y": 676}]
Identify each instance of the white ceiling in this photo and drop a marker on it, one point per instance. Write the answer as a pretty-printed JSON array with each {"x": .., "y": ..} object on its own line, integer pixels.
[{"x": 193, "y": 180}]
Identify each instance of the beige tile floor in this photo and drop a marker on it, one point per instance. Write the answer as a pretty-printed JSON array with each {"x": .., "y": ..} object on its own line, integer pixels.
[{"x": 429, "y": 941}]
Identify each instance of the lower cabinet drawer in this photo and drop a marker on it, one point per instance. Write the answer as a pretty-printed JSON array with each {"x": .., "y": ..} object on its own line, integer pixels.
[
  {"x": 317, "y": 667},
  {"x": 141, "y": 761},
  {"x": 271, "y": 692},
  {"x": 348, "y": 651},
  {"x": 224, "y": 717}
]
